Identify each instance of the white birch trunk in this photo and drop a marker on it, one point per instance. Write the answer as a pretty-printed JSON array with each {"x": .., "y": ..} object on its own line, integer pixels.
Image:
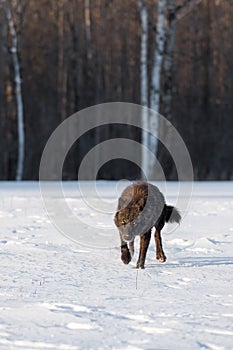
[
  {"x": 19, "y": 100},
  {"x": 166, "y": 92},
  {"x": 168, "y": 64},
  {"x": 168, "y": 61},
  {"x": 144, "y": 87},
  {"x": 156, "y": 74}
]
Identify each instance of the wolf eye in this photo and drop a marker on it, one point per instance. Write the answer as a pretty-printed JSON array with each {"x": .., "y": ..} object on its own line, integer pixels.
[{"x": 123, "y": 222}]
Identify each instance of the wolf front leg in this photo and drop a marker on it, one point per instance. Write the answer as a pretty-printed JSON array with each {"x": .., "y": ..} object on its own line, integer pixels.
[
  {"x": 125, "y": 253},
  {"x": 131, "y": 248},
  {"x": 144, "y": 244}
]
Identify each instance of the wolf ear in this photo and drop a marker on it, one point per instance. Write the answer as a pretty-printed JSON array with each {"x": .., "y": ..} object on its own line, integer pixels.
[
  {"x": 116, "y": 216},
  {"x": 116, "y": 219}
]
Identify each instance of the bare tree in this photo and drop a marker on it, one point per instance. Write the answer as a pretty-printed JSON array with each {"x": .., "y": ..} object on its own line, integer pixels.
[
  {"x": 158, "y": 55},
  {"x": 173, "y": 14},
  {"x": 144, "y": 84},
  {"x": 156, "y": 76},
  {"x": 87, "y": 18},
  {"x": 61, "y": 69},
  {"x": 168, "y": 59},
  {"x": 89, "y": 58},
  {"x": 167, "y": 69},
  {"x": 19, "y": 99}
]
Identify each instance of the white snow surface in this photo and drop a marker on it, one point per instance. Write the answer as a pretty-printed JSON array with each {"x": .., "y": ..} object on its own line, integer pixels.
[{"x": 58, "y": 294}]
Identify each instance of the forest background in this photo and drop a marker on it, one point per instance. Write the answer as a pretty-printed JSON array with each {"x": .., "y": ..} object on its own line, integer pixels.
[{"x": 60, "y": 56}]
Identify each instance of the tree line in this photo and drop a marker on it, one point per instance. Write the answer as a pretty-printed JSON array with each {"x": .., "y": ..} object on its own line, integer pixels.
[{"x": 60, "y": 56}]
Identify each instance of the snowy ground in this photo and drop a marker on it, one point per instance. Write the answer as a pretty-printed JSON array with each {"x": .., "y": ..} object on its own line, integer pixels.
[{"x": 57, "y": 294}]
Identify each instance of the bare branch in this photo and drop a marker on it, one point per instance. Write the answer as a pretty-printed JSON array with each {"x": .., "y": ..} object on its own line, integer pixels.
[
  {"x": 187, "y": 9},
  {"x": 182, "y": 5}
]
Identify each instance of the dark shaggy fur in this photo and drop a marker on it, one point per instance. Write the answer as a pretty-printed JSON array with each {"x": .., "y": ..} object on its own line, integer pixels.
[{"x": 141, "y": 207}]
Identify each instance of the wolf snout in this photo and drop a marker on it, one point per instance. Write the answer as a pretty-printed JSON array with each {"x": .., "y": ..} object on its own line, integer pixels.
[{"x": 128, "y": 238}]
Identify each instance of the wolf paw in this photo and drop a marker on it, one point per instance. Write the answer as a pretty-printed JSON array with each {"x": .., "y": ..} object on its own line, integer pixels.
[
  {"x": 161, "y": 258},
  {"x": 125, "y": 255}
]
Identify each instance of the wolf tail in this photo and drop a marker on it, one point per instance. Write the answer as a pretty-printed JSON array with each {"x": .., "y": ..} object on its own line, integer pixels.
[{"x": 172, "y": 214}]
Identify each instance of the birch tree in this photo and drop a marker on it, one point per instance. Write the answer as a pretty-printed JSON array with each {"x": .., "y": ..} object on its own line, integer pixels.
[
  {"x": 158, "y": 55},
  {"x": 163, "y": 62},
  {"x": 156, "y": 75},
  {"x": 173, "y": 14},
  {"x": 144, "y": 85},
  {"x": 19, "y": 99}
]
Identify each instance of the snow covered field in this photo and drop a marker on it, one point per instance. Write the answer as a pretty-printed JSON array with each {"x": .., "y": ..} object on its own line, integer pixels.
[{"x": 57, "y": 294}]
